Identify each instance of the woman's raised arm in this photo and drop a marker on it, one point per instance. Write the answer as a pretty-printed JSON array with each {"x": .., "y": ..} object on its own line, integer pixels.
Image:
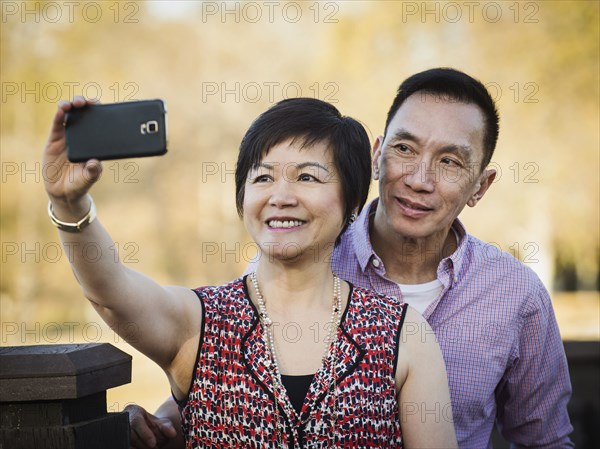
[{"x": 159, "y": 321}]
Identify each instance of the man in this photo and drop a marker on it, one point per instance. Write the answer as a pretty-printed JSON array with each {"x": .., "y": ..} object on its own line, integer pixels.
[{"x": 490, "y": 313}]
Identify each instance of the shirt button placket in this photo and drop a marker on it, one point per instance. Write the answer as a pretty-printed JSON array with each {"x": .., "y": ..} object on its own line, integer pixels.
[{"x": 375, "y": 274}]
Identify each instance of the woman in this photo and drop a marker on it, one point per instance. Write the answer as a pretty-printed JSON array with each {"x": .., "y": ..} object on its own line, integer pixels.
[{"x": 355, "y": 371}]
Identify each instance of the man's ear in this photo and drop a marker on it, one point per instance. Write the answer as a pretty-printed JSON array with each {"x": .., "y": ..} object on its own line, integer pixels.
[
  {"x": 484, "y": 182},
  {"x": 377, "y": 147}
]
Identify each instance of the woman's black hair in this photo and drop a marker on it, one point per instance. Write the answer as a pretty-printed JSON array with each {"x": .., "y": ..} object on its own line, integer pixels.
[{"x": 308, "y": 121}]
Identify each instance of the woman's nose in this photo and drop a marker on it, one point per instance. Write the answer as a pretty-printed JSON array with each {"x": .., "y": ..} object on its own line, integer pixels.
[{"x": 283, "y": 194}]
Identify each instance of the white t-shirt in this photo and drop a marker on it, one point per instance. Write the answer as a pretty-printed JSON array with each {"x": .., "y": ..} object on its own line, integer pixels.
[{"x": 419, "y": 296}]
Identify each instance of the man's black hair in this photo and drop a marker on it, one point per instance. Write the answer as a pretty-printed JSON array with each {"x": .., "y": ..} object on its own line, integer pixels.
[{"x": 453, "y": 85}]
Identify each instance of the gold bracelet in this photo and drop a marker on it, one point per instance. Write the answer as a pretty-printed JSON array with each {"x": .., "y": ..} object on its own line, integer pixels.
[{"x": 73, "y": 227}]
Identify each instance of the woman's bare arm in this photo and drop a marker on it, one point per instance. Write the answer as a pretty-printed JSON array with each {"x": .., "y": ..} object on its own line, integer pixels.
[
  {"x": 159, "y": 321},
  {"x": 424, "y": 398}
]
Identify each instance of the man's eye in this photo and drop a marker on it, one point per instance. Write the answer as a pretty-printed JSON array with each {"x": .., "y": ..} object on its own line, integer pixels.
[
  {"x": 402, "y": 148},
  {"x": 450, "y": 162}
]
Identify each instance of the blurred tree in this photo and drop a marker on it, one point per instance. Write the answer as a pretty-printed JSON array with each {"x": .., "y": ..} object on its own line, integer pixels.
[{"x": 541, "y": 58}]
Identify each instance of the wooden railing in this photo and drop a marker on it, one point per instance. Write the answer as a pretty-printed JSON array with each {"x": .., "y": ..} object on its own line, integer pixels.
[{"x": 54, "y": 397}]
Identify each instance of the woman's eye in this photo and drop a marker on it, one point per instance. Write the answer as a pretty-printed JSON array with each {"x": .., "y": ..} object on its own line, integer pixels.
[
  {"x": 306, "y": 177},
  {"x": 262, "y": 178}
]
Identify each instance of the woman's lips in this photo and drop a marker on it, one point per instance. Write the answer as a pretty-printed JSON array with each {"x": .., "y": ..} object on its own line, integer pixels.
[{"x": 285, "y": 224}]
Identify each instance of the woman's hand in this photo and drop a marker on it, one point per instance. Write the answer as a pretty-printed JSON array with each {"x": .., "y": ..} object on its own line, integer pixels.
[
  {"x": 167, "y": 319},
  {"x": 67, "y": 183}
]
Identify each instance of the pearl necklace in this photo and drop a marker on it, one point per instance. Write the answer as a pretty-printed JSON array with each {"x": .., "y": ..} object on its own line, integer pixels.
[{"x": 273, "y": 364}]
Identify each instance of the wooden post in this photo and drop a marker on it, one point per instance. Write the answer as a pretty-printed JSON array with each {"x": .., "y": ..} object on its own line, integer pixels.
[{"x": 54, "y": 397}]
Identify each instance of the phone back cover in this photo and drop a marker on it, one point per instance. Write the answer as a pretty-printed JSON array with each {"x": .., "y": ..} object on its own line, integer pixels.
[{"x": 116, "y": 131}]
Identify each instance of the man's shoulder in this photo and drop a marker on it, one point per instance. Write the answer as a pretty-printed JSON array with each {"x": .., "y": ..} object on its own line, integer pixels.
[
  {"x": 505, "y": 272},
  {"x": 346, "y": 244},
  {"x": 489, "y": 256},
  {"x": 346, "y": 254},
  {"x": 356, "y": 237}
]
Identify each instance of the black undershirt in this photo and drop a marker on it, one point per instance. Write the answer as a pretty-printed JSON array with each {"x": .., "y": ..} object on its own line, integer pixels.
[{"x": 297, "y": 388}]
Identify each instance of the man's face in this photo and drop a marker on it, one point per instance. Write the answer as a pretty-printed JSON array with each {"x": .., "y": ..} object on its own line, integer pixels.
[{"x": 428, "y": 167}]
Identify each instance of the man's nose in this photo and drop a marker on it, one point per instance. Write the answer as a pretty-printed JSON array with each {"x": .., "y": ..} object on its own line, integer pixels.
[{"x": 420, "y": 176}]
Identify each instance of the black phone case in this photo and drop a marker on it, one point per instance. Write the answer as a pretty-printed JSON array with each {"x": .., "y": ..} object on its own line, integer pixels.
[{"x": 116, "y": 131}]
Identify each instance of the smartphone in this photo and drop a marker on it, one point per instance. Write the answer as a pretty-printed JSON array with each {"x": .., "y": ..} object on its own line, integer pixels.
[{"x": 116, "y": 130}]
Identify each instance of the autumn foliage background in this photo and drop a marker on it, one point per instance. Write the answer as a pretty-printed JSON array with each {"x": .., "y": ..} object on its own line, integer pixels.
[{"x": 217, "y": 65}]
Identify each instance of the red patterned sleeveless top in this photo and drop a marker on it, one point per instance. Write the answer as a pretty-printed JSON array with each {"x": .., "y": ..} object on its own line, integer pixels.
[{"x": 231, "y": 402}]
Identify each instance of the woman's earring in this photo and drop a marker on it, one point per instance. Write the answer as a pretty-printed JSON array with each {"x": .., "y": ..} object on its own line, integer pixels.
[{"x": 352, "y": 219}]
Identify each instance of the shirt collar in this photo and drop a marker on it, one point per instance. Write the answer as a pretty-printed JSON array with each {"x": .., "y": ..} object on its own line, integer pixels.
[
  {"x": 361, "y": 240},
  {"x": 454, "y": 263}
]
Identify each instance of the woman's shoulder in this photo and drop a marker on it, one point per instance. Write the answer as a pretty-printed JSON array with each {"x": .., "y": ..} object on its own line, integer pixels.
[
  {"x": 373, "y": 296},
  {"x": 231, "y": 286},
  {"x": 372, "y": 302},
  {"x": 227, "y": 301},
  {"x": 232, "y": 291}
]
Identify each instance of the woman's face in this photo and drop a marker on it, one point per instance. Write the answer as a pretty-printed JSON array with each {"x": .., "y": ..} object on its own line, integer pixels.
[{"x": 293, "y": 205}]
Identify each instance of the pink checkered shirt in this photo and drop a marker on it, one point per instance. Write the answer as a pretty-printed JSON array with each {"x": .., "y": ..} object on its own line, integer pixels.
[{"x": 496, "y": 327}]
